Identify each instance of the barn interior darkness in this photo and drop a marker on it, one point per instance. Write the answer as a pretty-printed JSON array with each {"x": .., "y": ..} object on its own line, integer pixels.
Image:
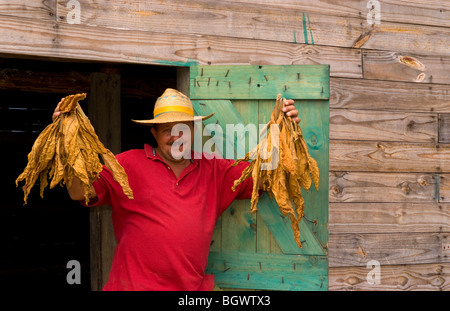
[{"x": 40, "y": 238}]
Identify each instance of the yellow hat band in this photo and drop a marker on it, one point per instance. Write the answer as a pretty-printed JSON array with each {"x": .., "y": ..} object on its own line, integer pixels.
[{"x": 161, "y": 110}]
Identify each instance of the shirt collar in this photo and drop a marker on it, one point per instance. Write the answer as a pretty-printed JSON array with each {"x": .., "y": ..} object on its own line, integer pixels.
[{"x": 150, "y": 153}]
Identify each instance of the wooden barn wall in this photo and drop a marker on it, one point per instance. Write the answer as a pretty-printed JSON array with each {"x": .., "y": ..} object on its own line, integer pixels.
[{"x": 389, "y": 106}]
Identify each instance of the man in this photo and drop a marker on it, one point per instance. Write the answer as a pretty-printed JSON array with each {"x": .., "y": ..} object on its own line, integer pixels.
[{"x": 164, "y": 233}]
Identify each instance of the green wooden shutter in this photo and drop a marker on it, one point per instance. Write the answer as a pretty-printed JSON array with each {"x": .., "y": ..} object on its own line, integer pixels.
[{"x": 258, "y": 251}]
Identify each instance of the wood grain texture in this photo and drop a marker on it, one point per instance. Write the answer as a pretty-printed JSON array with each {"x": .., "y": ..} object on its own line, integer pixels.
[
  {"x": 269, "y": 271},
  {"x": 389, "y": 95},
  {"x": 383, "y": 156},
  {"x": 388, "y": 249},
  {"x": 417, "y": 277},
  {"x": 405, "y": 38},
  {"x": 346, "y": 124},
  {"x": 444, "y": 128},
  {"x": 280, "y": 226},
  {"x": 60, "y": 40},
  {"x": 444, "y": 188},
  {"x": 370, "y": 187},
  {"x": 36, "y": 9},
  {"x": 104, "y": 108},
  {"x": 389, "y": 217},
  {"x": 252, "y": 21},
  {"x": 395, "y": 66},
  {"x": 102, "y": 242},
  {"x": 260, "y": 82},
  {"x": 423, "y": 12},
  {"x": 239, "y": 227}
]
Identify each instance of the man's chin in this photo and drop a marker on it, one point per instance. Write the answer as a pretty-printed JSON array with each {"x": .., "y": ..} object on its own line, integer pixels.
[{"x": 178, "y": 156}]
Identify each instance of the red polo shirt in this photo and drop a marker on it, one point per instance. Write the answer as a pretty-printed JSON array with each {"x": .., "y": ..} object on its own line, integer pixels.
[{"x": 164, "y": 234}]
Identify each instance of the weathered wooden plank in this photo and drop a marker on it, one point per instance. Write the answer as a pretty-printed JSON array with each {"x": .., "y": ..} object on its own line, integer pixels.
[
  {"x": 48, "y": 77},
  {"x": 263, "y": 23},
  {"x": 444, "y": 128},
  {"x": 389, "y": 217},
  {"x": 280, "y": 226},
  {"x": 104, "y": 103},
  {"x": 422, "y": 277},
  {"x": 444, "y": 188},
  {"x": 183, "y": 80},
  {"x": 388, "y": 156},
  {"x": 315, "y": 128},
  {"x": 373, "y": 187},
  {"x": 238, "y": 224},
  {"x": 260, "y": 82},
  {"x": 405, "y": 38},
  {"x": 101, "y": 44},
  {"x": 395, "y": 66},
  {"x": 389, "y": 95},
  {"x": 238, "y": 228},
  {"x": 104, "y": 113},
  {"x": 423, "y": 12},
  {"x": 37, "y": 9},
  {"x": 103, "y": 242},
  {"x": 43, "y": 81},
  {"x": 266, "y": 243},
  {"x": 388, "y": 249},
  {"x": 268, "y": 271},
  {"x": 346, "y": 124}
]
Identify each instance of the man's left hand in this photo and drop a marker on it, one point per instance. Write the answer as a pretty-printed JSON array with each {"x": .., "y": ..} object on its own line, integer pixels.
[{"x": 290, "y": 111}]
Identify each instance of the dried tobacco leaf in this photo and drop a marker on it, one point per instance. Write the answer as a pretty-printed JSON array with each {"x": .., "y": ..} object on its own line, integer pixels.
[
  {"x": 296, "y": 169},
  {"x": 70, "y": 147}
]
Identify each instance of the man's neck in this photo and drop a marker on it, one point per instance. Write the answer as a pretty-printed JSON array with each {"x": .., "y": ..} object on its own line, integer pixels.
[{"x": 177, "y": 166}]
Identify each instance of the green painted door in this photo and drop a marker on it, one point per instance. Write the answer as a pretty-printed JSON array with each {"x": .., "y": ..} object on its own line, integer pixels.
[{"x": 258, "y": 251}]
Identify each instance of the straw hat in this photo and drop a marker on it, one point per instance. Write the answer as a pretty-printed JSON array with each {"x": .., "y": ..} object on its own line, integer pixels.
[{"x": 172, "y": 106}]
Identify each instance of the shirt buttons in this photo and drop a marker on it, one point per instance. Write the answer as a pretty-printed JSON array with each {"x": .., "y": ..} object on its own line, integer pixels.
[
  {"x": 176, "y": 184},
  {"x": 168, "y": 168}
]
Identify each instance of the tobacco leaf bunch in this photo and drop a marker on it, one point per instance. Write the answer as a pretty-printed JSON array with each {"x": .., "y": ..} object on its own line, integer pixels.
[
  {"x": 281, "y": 168},
  {"x": 70, "y": 147}
]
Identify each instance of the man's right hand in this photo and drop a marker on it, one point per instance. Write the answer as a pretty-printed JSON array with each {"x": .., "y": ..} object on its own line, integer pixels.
[
  {"x": 57, "y": 113},
  {"x": 76, "y": 192}
]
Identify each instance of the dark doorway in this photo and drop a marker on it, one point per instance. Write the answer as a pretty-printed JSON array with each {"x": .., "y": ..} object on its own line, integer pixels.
[{"x": 40, "y": 238}]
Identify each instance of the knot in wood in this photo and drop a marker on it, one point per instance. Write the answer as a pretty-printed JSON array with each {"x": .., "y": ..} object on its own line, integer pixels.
[
  {"x": 335, "y": 190},
  {"x": 406, "y": 189}
]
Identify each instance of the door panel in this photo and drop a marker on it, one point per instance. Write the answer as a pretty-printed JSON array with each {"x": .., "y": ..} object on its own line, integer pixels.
[{"x": 241, "y": 237}]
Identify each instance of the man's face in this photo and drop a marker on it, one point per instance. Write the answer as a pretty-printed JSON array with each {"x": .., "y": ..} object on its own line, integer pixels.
[{"x": 174, "y": 140}]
